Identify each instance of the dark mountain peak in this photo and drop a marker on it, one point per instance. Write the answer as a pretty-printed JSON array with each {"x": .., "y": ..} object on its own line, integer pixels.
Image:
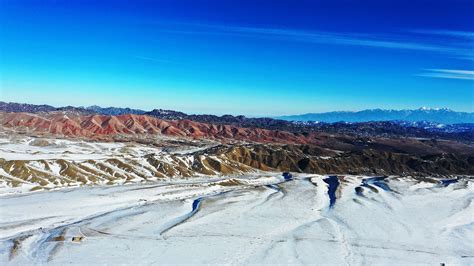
[
  {"x": 167, "y": 114},
  {"x": 114, "y": 110},
  {"x": 94, "y": 109},
  {"x": 25, "y": 107}
]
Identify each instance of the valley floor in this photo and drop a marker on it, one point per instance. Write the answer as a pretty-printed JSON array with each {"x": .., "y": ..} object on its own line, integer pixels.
[{"x": 265, "y": 218}]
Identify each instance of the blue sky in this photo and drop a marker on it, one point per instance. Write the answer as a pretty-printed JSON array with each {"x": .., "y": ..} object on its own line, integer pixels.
[{"x": 239, "y": 57}]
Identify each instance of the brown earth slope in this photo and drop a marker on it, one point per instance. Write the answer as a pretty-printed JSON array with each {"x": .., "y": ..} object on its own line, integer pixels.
[{"x": 102, "y": 126}]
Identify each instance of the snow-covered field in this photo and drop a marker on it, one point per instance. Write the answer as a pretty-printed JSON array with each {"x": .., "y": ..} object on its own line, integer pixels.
[
  {"x": 31, "y": 148},
  {"x": 258, "y": 219}
]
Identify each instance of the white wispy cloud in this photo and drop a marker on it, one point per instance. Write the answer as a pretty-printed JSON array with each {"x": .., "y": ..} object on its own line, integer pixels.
[
  {"x": 450, "y": 43},
  {"x": 449, "y": 33},
  {"x": 448, "y": 74},
  {"x": 152, "y": 59},
  {"x": 447, "y": 43}
]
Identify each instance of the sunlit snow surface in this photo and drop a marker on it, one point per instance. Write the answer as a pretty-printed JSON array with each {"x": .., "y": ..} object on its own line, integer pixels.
[
  {"x": 29, "y": 148},
  {"x": 260, "y": 219}
]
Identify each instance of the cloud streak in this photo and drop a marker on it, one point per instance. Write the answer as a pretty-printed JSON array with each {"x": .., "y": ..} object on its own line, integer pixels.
[
  {"x": 450, "y": 43},
  {"x": 449, "y": 74},
  {"x": 152, "y": 59},
  {"x": 449, "y": 33},
  {"x": 453, "y": 43}
]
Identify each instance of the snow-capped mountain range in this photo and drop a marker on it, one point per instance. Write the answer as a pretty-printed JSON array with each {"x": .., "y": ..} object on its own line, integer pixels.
[{"x": 436, "y": 115}]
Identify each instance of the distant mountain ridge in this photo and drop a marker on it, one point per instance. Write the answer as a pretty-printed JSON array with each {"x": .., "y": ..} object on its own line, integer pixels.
[
  {"x": 240, "y": 120},
  {"x": 432, "y": 115},
  {"x": 94, "y": 109},
  {"x": 424, "y": 129},
  {"x": 436, "y": 115},
  {"x": 114, "y": 110}
]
